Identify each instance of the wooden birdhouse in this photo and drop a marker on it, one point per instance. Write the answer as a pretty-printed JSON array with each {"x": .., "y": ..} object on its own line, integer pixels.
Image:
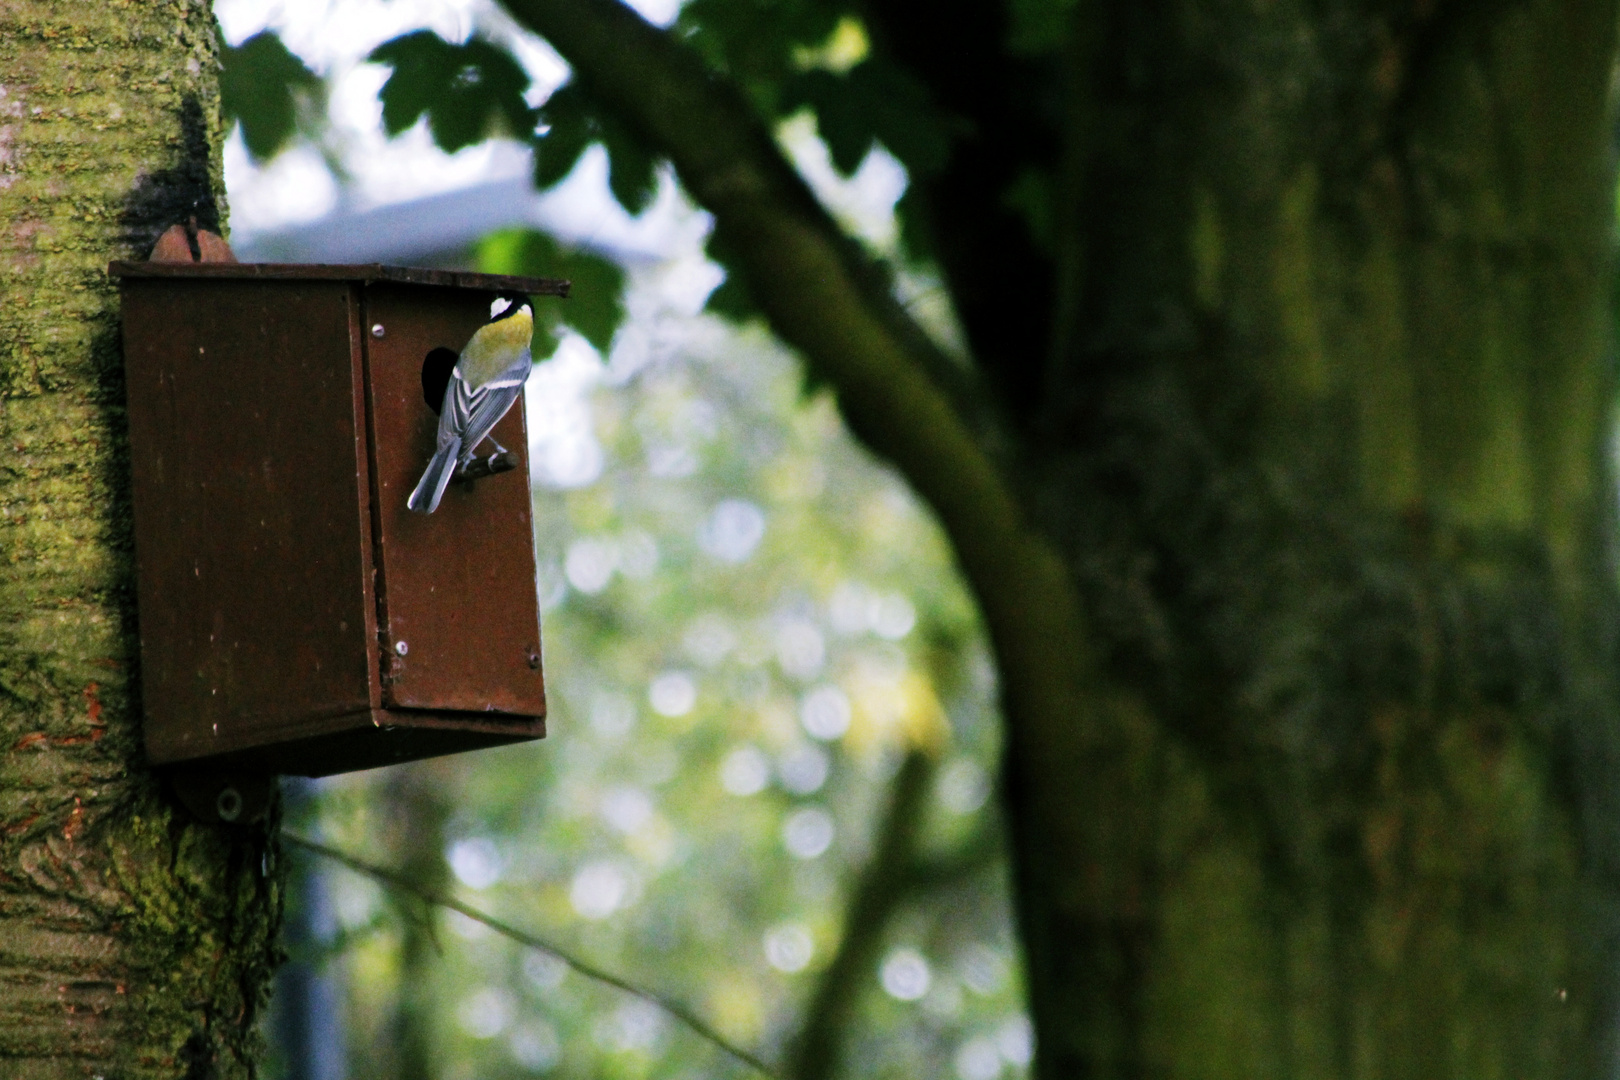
[{"x": 295, "y": 617}]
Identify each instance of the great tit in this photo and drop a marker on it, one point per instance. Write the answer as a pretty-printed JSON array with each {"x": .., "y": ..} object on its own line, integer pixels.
[{"x": 480, "y": 388}]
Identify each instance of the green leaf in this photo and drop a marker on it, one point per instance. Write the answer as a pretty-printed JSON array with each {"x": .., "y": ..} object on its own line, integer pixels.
[
  {"x": 265, "y": 87},
  {"x": 574, "y": 122},
  {"x": 569, "y": 130},
  {"x": 1030, "y": 196},
  {"x": 874, "y": 101},
  {"x": 632, "y": 176},
  {"x": 732, "y": 298},
  {"x": 595, "y": 304},
  {"x": 758, "y": 43},
  {"x": 916, "y": 224},
  {"x": 468, "y": 92}
]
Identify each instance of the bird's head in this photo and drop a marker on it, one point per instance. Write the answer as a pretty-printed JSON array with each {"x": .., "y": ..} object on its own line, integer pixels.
[{"x": 508, "y": 304}]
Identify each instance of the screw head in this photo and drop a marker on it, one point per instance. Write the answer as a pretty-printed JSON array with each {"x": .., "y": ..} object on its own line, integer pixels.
[
  {"x": 534, "y": 659},
  {"x": 401, "y": 647},
  {"x": 228, "y": 804},
  {"x": 376, "y": 330}
]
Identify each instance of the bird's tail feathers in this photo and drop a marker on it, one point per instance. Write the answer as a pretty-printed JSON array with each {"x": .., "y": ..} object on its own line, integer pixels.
[{"x": 435, "y": 478}]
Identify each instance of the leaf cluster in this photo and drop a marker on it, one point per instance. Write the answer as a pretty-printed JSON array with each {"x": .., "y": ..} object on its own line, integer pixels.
[
  {"x": 468, "y": 92},
  {"x": 270, "y": 91},
  {"x": 786, "y": 57}
]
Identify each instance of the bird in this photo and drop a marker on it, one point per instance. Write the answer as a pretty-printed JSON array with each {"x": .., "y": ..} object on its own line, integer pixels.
[{"x": 478, "y": 390}]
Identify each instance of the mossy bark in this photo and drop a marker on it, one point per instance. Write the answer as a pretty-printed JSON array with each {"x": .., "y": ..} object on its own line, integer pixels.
[
  {"x": 134, "y": 942},
  {"x": 1325, "y": 438}
]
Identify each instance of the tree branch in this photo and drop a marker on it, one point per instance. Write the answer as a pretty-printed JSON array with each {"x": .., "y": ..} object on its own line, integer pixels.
[
  {"x": 882, "y": 886},
  {"x": 397, "y": 880},
  {"x": 896, "y": 871},
  {"x": 980, "y": 850},
  {"x": 920, "y": 414}
]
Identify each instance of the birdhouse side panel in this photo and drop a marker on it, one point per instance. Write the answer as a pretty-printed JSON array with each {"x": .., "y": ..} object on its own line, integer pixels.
[
  {"x": 459, "y": 614},
  {"x": 251, "y": 510}
]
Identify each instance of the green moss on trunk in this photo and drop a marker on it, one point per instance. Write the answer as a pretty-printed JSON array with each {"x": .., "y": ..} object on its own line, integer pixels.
[
  {"x": 1334, "y": 478},
  {"x": 134, "y": 942}
]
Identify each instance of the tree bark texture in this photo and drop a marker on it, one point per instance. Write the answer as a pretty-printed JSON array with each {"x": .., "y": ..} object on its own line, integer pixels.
[
  {"x": 134, "y": 942},
  {"x": 1292, "y": 522},
  {"x": 1323, "y": 423}
]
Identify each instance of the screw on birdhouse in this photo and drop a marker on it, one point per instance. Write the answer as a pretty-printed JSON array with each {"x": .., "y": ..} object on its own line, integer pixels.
[
  {"x": 401, "y": 647},
  {"x": 377, "y": 330},
  {"x": 229, "y": 804},
  {"x": 534, "y": 659}
]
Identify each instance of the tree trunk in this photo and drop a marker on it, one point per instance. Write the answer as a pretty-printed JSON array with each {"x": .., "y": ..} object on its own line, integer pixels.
[
  {"x": 1295, "y": 536},
  {"x": 418, "y": 814},
  {"x": 134, "y": 942},
  {"x": 1325, "y": 437}
]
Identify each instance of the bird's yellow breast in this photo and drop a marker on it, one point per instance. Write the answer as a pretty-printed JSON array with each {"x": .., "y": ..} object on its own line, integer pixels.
[{"x": 494, "y": 347}]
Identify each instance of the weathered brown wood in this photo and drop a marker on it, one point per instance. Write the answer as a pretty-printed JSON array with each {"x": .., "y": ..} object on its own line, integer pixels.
[
  {"x": 294, "y": 616},
  {"x": 406, "y": 275}
]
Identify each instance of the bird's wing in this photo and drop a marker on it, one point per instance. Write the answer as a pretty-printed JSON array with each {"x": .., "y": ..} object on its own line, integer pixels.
[
  {"x": 494, "y": 401},
  {"x": 459, "y": 402}
]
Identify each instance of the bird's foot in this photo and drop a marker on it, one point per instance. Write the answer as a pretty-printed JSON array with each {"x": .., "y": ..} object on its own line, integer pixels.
[{"x": 478, "y": 468}]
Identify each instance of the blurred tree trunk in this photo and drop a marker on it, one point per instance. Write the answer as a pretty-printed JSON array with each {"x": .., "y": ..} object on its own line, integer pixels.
[
  {"x": 1324, "y": 432},
  {"x": 133, "y": 941},
  {"x": 1292, "y": 519},
  {"x": 416, "y": 818}
]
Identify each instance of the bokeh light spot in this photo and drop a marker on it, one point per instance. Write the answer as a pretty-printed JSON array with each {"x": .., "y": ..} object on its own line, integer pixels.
[
  {"x": 485, "y": 1013},
  {"x": 599, "y": 889},
  {"x": 672, "y": 694},
  {"x": 476, "y": 863},
  {"x": 733, "y": 530},
  {"x": 745, "y": 771},
  {"x": 804, "y": 769},
  {"x": 905, "y": 974},
  {"x": 978, "y": 1059},
  {"x": 825, "y": 713},
  {"x": 789, "y": 947},
  {"x": 807, "y": 833}
]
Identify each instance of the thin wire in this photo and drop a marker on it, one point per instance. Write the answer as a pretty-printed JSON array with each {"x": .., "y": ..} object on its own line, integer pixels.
[{"x": 590, "y": 971}]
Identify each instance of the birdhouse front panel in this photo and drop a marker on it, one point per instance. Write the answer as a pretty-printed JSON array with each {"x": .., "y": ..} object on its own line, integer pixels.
[
  {"x": 294, "y": 615},
  {"x": 458, "y": 614}
]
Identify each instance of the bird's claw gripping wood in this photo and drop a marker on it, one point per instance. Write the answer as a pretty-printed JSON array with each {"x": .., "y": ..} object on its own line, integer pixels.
[{"x": 478, "y": 468}]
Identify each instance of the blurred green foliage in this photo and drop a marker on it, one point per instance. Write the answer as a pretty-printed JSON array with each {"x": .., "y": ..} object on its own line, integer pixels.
[
  {"x": 573, "y": 122},
  {"x": 267, "y": 89},
  {"x": 747, "y": 624},
  {"x": 468, "y": 92},
  {"x": 872, "y": 103},
  {"x": 787, "y": 57}
]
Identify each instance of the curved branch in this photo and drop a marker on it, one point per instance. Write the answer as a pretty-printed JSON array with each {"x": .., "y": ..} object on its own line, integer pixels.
[
  {"x": 819, "y": 296},
  {"x": 883, "y": 884},
  {"x": 729, "y": 161},
  {"x": 432, "y": 894},
  {"x": 821, "y": 293},
  {"x": 1063, "y": 726}
]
